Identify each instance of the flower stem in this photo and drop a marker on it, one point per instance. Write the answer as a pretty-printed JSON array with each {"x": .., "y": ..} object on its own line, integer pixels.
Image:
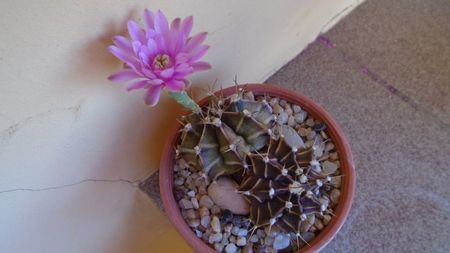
[{"x": 183, "y": 99}]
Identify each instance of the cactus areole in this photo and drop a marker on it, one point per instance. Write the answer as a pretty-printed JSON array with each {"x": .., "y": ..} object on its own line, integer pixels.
[{"x": 238, "y": 136}]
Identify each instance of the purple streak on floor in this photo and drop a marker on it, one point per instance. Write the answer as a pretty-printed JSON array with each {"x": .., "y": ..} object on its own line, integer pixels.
[{"x": 326, "y": 42}]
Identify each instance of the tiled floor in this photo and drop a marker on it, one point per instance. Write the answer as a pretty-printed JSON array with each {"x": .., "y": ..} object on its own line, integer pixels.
[{"x": 384, "y": 74}]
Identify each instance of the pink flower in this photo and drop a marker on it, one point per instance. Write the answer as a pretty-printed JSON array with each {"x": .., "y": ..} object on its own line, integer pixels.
[{"x": 159, "y": 56}]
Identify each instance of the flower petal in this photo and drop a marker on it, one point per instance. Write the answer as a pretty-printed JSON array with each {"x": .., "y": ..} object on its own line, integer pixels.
[
  {"x": 153, "y": 94},
  {"x": 175, "y": 85},
  {"x": 161, "y": 24},
  {"x": 186, "y": 25},
  {"x": 200, "y": 66},
  {"x": 136, "y": 33},
  {"x": 123, "y": 43},
  {"x": 137, "y": 85},
  {"x": 124, "y": 56},
  {"x": 167, "y": 73},
  {"x": 148, "y": 19},
  {"x": 124, "y": 75},
  {"x": 198, "y": 53},
  {"x": 175, "y": 25},
  {"x": 195, "y": 41}
]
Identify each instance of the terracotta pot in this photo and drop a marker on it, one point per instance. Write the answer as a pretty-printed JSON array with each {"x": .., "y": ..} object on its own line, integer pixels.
[{"x": 333, "y": 130}]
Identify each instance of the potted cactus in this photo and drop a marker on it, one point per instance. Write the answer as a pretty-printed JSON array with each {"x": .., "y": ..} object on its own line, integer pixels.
[{"x": 251, "y": 168}]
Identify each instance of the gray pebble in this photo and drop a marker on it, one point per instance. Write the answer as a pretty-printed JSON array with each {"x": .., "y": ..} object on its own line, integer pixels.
[
  {"x": 282, "y": 118},
  {"x": 281, "y": 241},
  {"x": 291, "y": 121},
  {"x": 195, "y": 203},
  {"x": 283, "y": 102},
  {"x": 242, "y": 232},
  {"x": 336, "y": 181},
  {"x": 185, "y": 204},
  {"x": 231, "y": 248},
  {"x": 216, "y": 237},
  {"x": 235, "y": 230},
  {"x": 241, "y": 241},
  {"x": 218, "y": 247},
  {"x": 296, "y": 108},
  {"x": 205, "y": 221},
  {"x": 318, "y": 224},
  {"x": 300, "y": 116},
  {"x": 329, "y": 167},
  {"x": 206, "y": 201},
  {"x": 215, "y": 224}
]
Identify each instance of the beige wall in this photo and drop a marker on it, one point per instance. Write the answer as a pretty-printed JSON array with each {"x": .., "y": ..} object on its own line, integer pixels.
[{"x": 62, "y": 122}]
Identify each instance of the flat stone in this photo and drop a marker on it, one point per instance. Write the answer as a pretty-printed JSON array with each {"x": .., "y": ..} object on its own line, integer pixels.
[
  {"x": 329, "y": 167},
  {"x": 334, "y": 196},
  {"x": 206, "y": 201},
  {"x": 185, "y": 204},
  {"x": 223, "y": 193},
  {"x": 281, "y": 241}
]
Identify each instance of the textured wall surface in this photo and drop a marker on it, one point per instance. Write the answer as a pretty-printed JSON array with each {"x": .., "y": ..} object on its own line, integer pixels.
[{"x": 73, "y": 145}]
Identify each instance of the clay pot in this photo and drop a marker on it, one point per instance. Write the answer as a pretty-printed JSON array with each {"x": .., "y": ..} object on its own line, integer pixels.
[{"x": 333, "y": 130}]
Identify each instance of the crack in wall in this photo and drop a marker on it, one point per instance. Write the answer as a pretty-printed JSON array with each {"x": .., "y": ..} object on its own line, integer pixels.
[{"x": 134, "y": 183}]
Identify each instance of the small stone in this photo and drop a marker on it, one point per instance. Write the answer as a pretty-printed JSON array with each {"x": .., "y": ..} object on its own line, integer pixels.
[
  {"x": 288, "y": 110},
  {"x": 333, "y": 156},
  {"x": 232, "y": 239},
  {"x": 323, "y": 134},
  {"x": 300, "y": 116},
  {"x": 326, "y": 219},
  {"x": 282, "y": 118},
  {"x": 231, "y": 248},
  {"x": 296, "y": 108},
  {"x": 216, "y": 237},
  {"x": 318, "y": 224},
  {"x": 191, "y": 194},
  {"x": 195, "y": 203},
  {"x": 307, "y": 236},
  {"x": 283, "y": 102},
  {"x": 277, "y": 109},
  {"x": 248, "y": 248},
  {"x": 242, "y": 232},
  {"x": 194, "y": 223},
  {"x": 218, "y": 247},
  {"x": 191, "y": 214},
  {"x": 310, "y": 122},
  {"x": 311, "y": 135},
  {"x": 303, "y": 131},
  {"x": 202, "y": 190},
  {"x": 281, "y": 241},
  {"x": 225, "y": 239},
  {"x": 198, "y": 233},
  {"x": 336, "y": 181},
  {"x": 205, "y": 221},
  {"x": 329, "y": 146},
  {"x": 215, "y": 210},
  {"x": 185, "y": 204},
  {"x": 319, "y": 127},
  {"x": 274, "y": 101},
  {"x": 227, "y": 228},
  {"x": 206, "y": 201},
  {"x": 241, "y": 241},
  {"x": 291, "y": 121},
  {"x": 334, "y": 196},
  {"x": 306, "y": 225},
  {"x": 215, "y": 224},
  {"x": 179, "y": 181},
  {"x": 203, "y": 211},
  {"x": 329, "y": 167},
  {"x": 224, "y": 194},
  {"x": 235, "y": 230},
  {"x": 269, "y": 241}
]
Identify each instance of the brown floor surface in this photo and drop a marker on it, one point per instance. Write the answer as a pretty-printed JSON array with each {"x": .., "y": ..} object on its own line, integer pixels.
[{"x": 383, "y": 73}]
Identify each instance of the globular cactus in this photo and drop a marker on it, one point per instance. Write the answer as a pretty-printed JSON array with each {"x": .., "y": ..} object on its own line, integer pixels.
[
  {"x": 279, "y": 175},
  {"x": 219, "y": 138}
]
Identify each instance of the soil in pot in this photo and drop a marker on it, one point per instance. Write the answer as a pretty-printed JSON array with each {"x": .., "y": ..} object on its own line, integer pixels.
[{"x": 256, "y": 174}]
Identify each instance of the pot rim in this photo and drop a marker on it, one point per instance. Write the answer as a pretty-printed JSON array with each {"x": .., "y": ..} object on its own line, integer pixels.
[{"x": 333, "y": 130}]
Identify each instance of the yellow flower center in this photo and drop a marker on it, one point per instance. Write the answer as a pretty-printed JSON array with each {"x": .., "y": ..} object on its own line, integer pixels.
[{"x": 161, "y": 61}]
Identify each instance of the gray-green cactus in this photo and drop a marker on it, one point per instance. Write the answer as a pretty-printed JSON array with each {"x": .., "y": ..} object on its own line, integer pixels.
[
  {"x": 219, "y": 138},
  {"x": 280, "y": 175}
]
